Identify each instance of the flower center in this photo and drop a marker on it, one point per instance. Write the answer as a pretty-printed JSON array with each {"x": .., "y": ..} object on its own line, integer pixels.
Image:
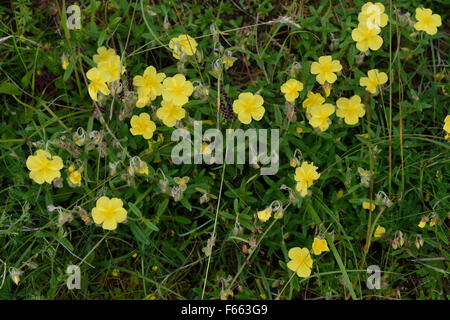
[
  {"x": 292, "y": 90},
  {"x": 248, "y": 107},
  {"x": 325, "y": 68},
  {"x": 45, "y": 166},
  {"x": 149, "y": 82},
  {"x": 109, "y": 213},
  {"x": 350, "y": 108},
  {"x": 171, "y": 111},
  {"x": 141, "y": 125},
  {"x": 177, "y": 89},
  {"x": 427, "y": 20}
]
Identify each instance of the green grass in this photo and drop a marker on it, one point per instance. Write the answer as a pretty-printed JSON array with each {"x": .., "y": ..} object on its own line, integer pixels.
[{"x": 158, "y": 253}]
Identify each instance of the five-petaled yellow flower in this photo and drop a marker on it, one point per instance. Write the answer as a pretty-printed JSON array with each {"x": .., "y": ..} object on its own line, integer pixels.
[
  {"x": 177, "y": 89},
  {"x": 170, "y": 113},
  {"x": 149, "y": 86},
  {"x": 301, "y": 262},
  {"x": 319, "y": 246},
  {"x": 367, "y": 38},
  {"x": 98, "y": 78},
  {"x": 427, "y": 21},
  {"x": 320, "y": 116},
  {"x": 142, "y": 125},
  {"x": 368, "y": 206},
  {"x": 249, "y": 106},
  {"x": 379, "y": 231},
  {"x": 373, "y": 80},
  {"x": 312, "y": 100},
  {"x": 350, "y": 109},
  {"x": 372, "y": 14},
  {"x": 291, "y": 89},
  {"x": 184, "y": 43},
  {"x": 109, "y": 212},
  {"x": 325, "y": 69},
  {"x": 265, "y": 214},
  {"x": 305, "y": 176},
  {"x": 44, "y": 167}
]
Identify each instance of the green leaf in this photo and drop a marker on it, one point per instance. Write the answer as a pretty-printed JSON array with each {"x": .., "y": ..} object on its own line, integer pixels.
[
  {"x": 135, "y": 209},
  {"x": 101, "y": 38},
  {"x": 66, "y": 243},
  {"x": 139, "y": 234},
  {"x": 150, "y": 225},
  {"x": 162, "y": 207},
  {"x": 182, "y": 220},
  {"x": 68, "y": 71},
  {"x": 7, "y": 87}
]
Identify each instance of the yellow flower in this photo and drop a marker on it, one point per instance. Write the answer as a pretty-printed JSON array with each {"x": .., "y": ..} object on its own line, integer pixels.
[
  {"x": 115, "y": 273},
  {"x": 228, "y": 61},
  {"x": 109, "y": 212},
  {"x": 103, "y": 55},
  {"x": 291, "y": 88},
  {"x": 265, "y": 214},
  {"x": 249, "y": 106},
  {"x": 293, "y": 162},
  {"x": 325, "y": 69},
  {"x": 205, "y": 149},
  {"x": 319, "y": 246},
  {"x": 350, "y": 109},
  {"x": 422, "y": 222},
  {"x": 75, "y": 177},
  {"x": 367, "y": 205},
  {"x": 327, "y": 89},
  {"x": 182, "y": 182},
  {"x": 136, "y": 164},
  {"x": 149, "y": 86},
  {"x": 340, "y": 193},
  {"x": 183, "y": 43},
  {"x": 64, "y": 62},
  {"x": 169, "y": 113},
  {"x": 177, "y": 89},
  {"x": 301, "y": 261},
  {"x": 320, "y": 116},
  {"x": 305, "y": 176},
  {"x": 373, "y": 79},
  {"x": 98, "y": 78},
  {"x": 447, "y": 123},
  {"x": 433, "y": 221},
  {"x": 142, "y": 125},
  {"x": 427, "y": 21},
  {"x": 43, "y": 167},
  {"x": 112, "y": 66},
  {"x": 367, "y": 38},
  {"x": 312, "y": 100},
  {"x": 299, "y": 130},
  {"x": 372, "y": 14},
  {"x": 379, "y": 231}
]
